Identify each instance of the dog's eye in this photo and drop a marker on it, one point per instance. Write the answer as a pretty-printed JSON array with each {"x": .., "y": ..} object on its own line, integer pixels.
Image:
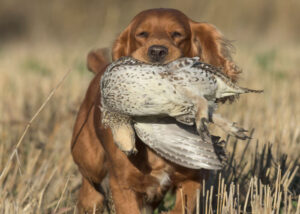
[
  {"x": 175, "y": 34},
  {"x": 143, "y": 34}
]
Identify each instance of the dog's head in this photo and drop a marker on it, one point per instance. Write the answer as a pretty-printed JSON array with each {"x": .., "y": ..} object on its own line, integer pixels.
[{"x": 163, "y": 35}]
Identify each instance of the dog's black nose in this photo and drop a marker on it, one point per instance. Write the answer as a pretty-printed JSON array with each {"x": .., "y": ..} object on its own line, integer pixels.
[{"x": 157, "y": 52}]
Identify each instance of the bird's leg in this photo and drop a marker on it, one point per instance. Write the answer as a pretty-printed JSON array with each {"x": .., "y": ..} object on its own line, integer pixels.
[
  {"x": 124, "y": 138},
  {"x": 202, "y": 117},
  {"x": 122, "y": 131},
  {"x": 229, "y": 127}
]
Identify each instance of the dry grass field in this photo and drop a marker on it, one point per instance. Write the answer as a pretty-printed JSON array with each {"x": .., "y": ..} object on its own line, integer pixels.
[{"x": 261, "y": 175}]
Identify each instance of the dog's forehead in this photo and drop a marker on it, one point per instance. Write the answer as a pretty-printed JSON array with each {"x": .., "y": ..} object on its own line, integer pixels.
[
  {"x": 160, "y": 12},
  {"x": 160, "y": 17}
]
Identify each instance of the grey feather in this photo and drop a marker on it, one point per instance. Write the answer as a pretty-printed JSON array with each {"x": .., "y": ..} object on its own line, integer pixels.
[{"x": 179, "y": 143}]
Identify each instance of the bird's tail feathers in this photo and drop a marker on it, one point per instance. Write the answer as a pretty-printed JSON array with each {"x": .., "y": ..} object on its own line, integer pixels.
[{"x": 248, "y": 90}]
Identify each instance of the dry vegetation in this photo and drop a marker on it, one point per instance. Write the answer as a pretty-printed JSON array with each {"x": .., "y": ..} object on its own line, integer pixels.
[{"x": 262, "y": 174}]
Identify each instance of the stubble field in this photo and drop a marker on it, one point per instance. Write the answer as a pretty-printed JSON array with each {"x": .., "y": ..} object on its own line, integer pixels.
[{"x": 261, "y": 176}]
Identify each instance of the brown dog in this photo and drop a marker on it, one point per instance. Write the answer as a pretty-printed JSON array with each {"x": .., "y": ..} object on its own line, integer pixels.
[{"x": 139, "y": 182}]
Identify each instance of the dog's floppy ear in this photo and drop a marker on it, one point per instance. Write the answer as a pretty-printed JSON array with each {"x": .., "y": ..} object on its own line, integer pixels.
[
  {"x": 97, "y": 59},
  {"x": 122, "y": 46},
  {"x": 210, "y": 45}
]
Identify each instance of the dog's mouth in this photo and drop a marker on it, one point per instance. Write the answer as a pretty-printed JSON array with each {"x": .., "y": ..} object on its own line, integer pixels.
[
  {"x": 143, "y": 55},
  {"x": 157, "y": 53}
]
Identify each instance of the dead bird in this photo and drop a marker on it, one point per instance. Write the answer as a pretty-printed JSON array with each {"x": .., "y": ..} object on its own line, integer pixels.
[{"x": 185, "y": 89}]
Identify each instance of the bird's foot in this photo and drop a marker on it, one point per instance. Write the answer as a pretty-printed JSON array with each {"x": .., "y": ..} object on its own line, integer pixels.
[
  {"x": 202, "y": 128},
  {"x": 238, "y": 132},
  {"x": 185, "y": 119}
]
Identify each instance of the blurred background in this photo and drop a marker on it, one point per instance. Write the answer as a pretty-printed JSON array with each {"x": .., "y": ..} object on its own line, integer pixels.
[
  {"x": 41, "y": 40},
  {"x": 98, "y": 22}
]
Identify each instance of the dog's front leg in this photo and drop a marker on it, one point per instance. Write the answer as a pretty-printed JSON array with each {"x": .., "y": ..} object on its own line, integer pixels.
[
  {"x": 186, "y": 196},
  {"x": 126, "y": 201}
]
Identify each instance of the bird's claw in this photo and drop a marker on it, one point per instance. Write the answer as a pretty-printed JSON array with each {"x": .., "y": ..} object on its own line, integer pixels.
[
  {"x": 202, "y": 128},
  {"x": 239, "y": 132}
]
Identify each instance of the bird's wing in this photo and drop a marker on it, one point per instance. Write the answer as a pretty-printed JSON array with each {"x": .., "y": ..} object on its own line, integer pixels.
[
  {"x": 226, "y": 87},
  {"x": 180, "y": 144},
  {"x": 181, "y": 62}
]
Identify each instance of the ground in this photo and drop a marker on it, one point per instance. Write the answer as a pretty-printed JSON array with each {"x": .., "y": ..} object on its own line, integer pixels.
[{"x": 42, "y": 176}]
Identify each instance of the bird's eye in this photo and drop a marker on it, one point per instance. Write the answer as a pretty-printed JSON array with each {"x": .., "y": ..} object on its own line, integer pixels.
[
  {"x": 176, "y": 34},
  {"x": 143, "y": 34}
]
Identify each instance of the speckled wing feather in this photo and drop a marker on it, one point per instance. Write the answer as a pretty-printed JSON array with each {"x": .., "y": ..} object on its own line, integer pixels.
[
  {"x": 204, "y": 79},
  {"x": 179, "y": 143}
]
